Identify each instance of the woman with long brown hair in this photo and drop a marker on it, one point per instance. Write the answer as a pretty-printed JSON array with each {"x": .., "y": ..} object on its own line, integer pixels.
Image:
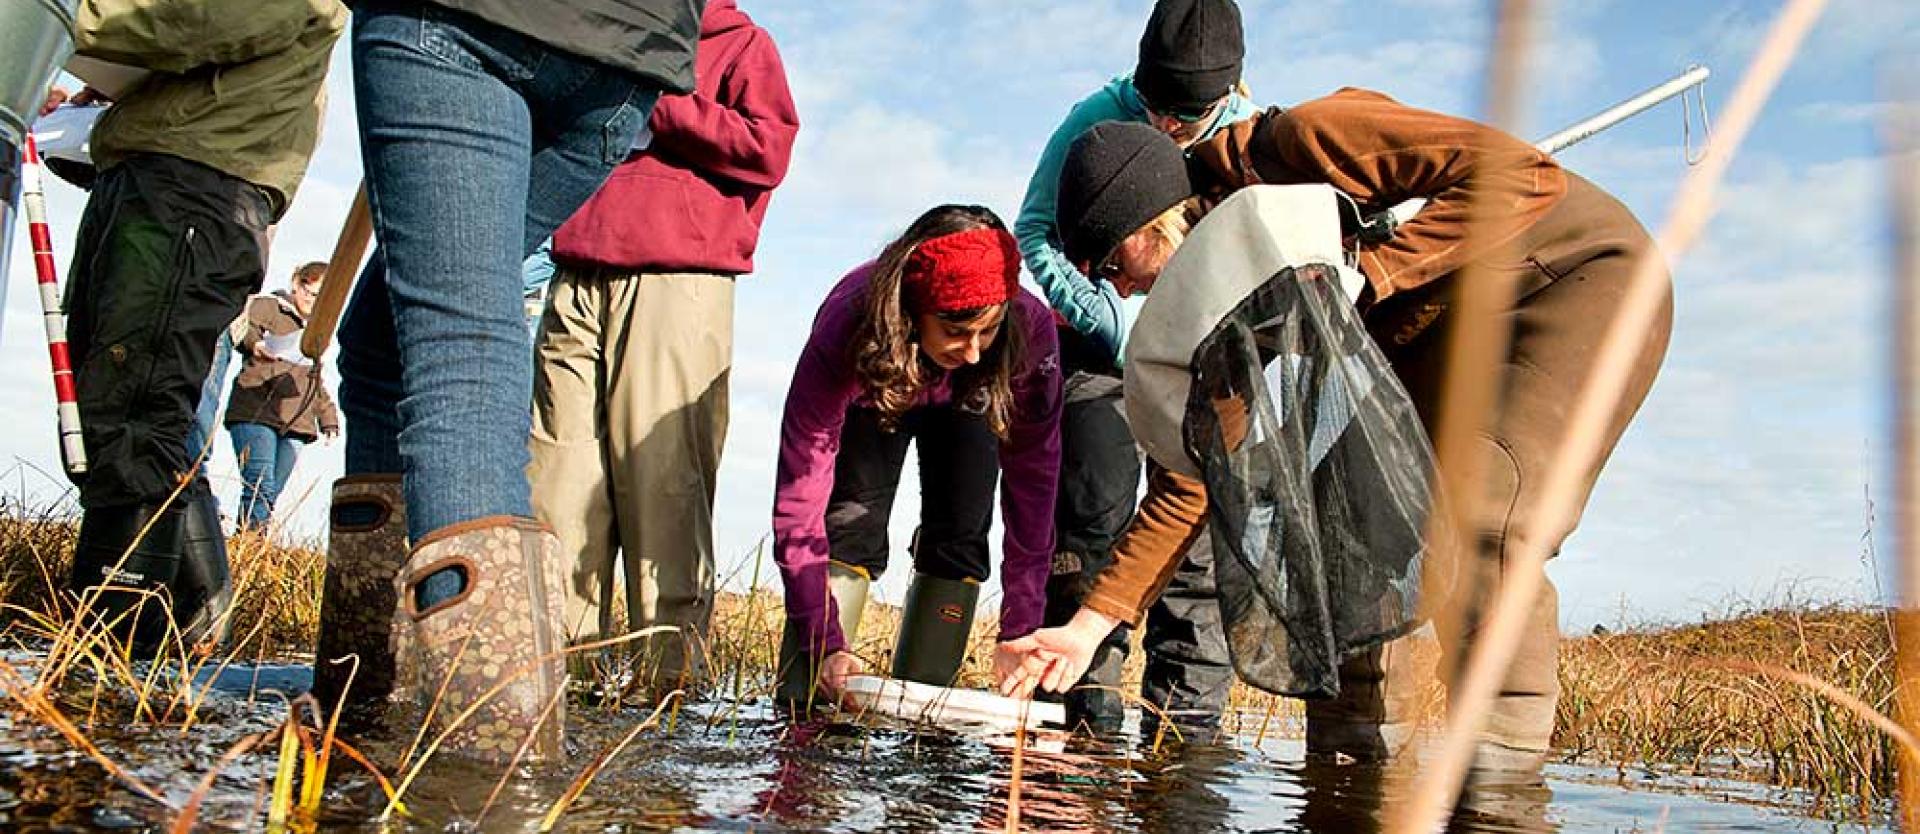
[{"x": 935, "y": 342}]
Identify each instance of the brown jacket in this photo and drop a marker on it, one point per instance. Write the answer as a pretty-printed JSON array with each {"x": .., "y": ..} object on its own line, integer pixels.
[
  {"x": 1380, "y": 153},
  {"x": 275, "y": 392}
]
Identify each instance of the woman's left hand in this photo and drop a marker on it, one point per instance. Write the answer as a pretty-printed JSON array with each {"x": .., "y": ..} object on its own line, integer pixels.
[{"x": 1053, "y": 659}]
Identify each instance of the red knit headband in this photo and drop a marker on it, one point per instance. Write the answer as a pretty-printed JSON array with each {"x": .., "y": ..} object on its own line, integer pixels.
[{"x": 961, "y": 271}]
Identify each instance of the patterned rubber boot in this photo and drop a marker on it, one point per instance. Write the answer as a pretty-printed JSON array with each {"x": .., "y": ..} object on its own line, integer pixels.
[
  {"x": 492, "y": 647},
  {"x": 366, "y": 544}
]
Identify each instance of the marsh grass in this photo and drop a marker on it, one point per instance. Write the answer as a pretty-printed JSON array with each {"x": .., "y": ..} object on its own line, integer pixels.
[
  {"x": 1687, "y": 699},
  {"x": 1666, "y": 699}
]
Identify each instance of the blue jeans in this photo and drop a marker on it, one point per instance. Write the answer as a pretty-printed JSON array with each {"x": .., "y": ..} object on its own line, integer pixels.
[
  {"x": 266, "y": 459},
  {"x": 536, "y": 273},
  {"x": 208, "y": 412},
  {"x": 478, "y": 143}
]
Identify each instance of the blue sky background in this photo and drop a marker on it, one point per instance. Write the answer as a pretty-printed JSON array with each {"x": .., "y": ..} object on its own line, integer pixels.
[{"x": 1748, "y": 472}]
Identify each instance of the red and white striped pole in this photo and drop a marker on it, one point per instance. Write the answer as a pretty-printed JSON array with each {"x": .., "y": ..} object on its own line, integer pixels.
[{"x": 72, "y": 453}]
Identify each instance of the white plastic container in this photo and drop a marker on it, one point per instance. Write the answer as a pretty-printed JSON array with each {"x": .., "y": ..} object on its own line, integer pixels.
[{"x": 953, "y": 708}]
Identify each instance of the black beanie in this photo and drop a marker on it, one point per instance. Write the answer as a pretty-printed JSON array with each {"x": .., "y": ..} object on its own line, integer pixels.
[
  {"x": 1118, "y": 176},
  {"x": 1190, "y": 54}
]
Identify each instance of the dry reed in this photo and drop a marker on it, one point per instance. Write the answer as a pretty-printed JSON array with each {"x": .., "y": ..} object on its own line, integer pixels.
[
  {"x": 1688, "y": 700},
  {"x": 1901, "y": 127}
]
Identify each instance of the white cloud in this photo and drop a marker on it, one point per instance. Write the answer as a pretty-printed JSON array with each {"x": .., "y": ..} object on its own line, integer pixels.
[
  {"x": 1745, "y": 470},
  {"x": 1873, "y": 113}
]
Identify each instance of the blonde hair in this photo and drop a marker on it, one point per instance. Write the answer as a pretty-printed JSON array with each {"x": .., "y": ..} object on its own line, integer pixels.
[{"x": 1172, "y": 226}]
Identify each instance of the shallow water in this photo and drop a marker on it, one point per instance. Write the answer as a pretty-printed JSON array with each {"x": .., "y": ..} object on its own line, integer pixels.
[{"x": 722, "y": 767}]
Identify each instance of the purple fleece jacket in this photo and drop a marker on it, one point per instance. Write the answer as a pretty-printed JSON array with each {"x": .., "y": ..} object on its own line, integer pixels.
[{"x": 825, "y": 386}]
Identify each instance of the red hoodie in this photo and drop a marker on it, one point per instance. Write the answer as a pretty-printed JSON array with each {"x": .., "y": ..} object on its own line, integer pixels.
[{"x": 693, "y": 200}]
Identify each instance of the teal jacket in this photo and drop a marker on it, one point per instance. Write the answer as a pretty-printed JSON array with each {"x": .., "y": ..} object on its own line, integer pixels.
[{"x": 1091, "y": 307}]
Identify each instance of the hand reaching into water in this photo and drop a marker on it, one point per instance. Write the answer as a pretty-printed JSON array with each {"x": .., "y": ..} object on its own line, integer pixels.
[
  {"x": 1006, "y": 661},
  {"x": 1053, "y": 659},
  {"x": 835, "y": 669}
]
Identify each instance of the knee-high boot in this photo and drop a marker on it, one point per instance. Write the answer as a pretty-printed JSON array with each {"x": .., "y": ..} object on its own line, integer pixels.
[{"x": 367, "y": 542}]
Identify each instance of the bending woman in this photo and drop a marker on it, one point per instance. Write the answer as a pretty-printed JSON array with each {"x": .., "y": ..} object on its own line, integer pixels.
[
  {"x": 1566, "y": 247},
  {"x": 933, "y": 341}
]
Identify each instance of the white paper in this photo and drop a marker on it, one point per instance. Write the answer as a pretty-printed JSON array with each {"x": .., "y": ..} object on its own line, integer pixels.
[
  {"x": 115, "y": 80},
  {"x": 286, "y": 348},
  {"x": 64, "y": 133},
  {"x": 918, "y": 702}
]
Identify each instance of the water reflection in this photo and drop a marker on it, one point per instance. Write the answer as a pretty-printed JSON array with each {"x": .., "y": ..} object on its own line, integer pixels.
[
  {"x": 1354, "y": 798},
  {"x": 1180, "y": 788},
  {"x": 1512, "y": 805}
]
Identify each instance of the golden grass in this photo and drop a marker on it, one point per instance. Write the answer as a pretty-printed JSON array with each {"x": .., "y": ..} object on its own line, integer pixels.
[
  {"x": 1688, "y": 698},
  {"x": 276, "y": 584}
]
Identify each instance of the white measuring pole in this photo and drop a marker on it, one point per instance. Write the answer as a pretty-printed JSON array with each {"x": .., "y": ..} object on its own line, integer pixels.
[
  {"x": 1693, "y": 77},
  {"x": 1575, "y": 133}
]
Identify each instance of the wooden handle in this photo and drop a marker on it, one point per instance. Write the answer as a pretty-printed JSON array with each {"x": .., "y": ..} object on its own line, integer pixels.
[{"x": 337, "y": 284}]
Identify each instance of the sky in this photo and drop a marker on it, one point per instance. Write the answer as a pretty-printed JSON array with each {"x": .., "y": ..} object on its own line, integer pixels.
[{"x": 1755, "y": 472}]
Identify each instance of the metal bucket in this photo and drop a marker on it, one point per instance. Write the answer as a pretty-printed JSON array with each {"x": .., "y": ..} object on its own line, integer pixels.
[{"x": 36, "y": 38}]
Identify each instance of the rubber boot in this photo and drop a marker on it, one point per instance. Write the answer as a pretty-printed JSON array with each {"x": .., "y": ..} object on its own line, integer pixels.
[
  {"x": 935, "y": 625},
  {"x": 203, "y": 588},
  {"x": 1095, "y": 704},
  {"x": 125, "y": 551},
  {"x": 798, "y": 668},
  {"x": 366, "y": 543},
  {"x": 1377, "y": 710},
  {"x": 500, "y": 631}
]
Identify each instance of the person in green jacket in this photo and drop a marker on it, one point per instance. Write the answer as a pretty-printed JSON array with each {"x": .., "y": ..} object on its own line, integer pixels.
[
  {"x": 195, "y": 161},
  {"x": 1187, "y": 84}
]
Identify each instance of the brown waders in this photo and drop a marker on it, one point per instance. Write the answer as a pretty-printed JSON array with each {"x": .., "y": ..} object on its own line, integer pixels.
[{"x": 1568, "y": 288}]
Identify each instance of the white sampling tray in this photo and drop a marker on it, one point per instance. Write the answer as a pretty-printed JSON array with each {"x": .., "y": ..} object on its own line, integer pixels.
[{"x": 942, "y": 706}]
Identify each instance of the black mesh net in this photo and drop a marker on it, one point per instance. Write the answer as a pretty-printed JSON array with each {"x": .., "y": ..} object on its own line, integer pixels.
[{"x": 1318, "y": 475}]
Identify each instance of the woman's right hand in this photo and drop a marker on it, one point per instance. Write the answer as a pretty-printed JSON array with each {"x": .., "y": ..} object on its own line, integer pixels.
[
  {"x": 1056, "y": 658},
  {"x": 835, "y": 669}
]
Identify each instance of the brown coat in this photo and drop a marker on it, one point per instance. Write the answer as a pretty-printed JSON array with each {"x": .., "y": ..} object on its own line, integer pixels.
[
  {"x": 274, "y": 392},
  {"x": 1380, "y": 153}
]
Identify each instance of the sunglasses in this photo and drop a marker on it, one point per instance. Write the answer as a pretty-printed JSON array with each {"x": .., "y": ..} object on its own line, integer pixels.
[
  {"x": 1108, "y": 269},
  {"x": 1184, "y": 115}
]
